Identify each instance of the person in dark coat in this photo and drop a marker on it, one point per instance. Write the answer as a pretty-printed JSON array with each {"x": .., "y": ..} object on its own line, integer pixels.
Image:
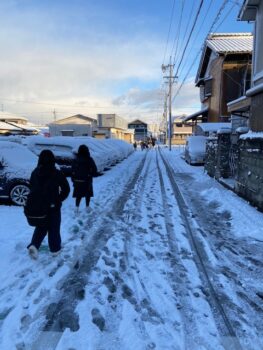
[
  {"x": 57, "y": 189},
  {"x": 83, "y": 170}
]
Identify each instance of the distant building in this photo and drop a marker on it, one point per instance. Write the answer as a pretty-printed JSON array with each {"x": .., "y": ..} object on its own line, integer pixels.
[
  {"x": 180, "y": 130},
  {"x": 76, "y": 125},
  {"x": 11, "y": 124},
  {"x": 140, "y": 128},
  {"x": 114, "y": 127}
]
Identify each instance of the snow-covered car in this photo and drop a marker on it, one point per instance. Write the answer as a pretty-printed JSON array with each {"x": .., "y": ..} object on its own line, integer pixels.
[
  {"x": 104, "y": 152},
  {"x": 195, "y": 149},
  {"x": 16, "y": 165}
]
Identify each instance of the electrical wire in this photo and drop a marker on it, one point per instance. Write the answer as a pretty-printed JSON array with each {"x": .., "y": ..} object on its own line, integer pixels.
[
  {"x": 184, "y": 36},
  {"x": 227, "y": 14},
  {"x": 221, "y": 9},
  {"x": 194, "y": 40},
  {"x": 168, "y": 36},
  {"x": 175, "y": 49},
  {"x": 189, "y": 37}
]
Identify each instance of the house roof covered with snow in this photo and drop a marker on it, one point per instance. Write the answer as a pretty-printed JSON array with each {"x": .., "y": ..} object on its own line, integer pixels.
[
  {"x": 75, "y": 119},
  {"x": 223, "y": 44},
  {"x": 213, "y": 127},
  {"x": 230, "y": 42},
  {"x": 10, "y": 116},
  {"x": 8, "y": 127}
]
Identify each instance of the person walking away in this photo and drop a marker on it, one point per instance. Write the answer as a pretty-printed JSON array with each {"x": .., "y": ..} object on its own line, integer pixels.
[
  {"x": 52, "y": 188},
  {"x": 135, "y": 146},
  {"x": 83, "y": 171}
]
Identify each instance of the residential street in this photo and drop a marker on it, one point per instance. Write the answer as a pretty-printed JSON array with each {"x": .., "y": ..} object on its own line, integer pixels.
[{"x": 168, "y": 259}]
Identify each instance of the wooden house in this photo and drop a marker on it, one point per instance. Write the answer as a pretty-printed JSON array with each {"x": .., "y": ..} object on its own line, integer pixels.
[{"x": 223, "y": 74}]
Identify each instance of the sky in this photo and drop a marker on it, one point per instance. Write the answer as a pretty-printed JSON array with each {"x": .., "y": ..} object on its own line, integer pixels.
[{"x": 103, "y": 56}]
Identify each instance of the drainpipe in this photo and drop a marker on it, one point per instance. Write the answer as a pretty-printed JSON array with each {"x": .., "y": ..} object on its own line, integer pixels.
[{"x": 221, "y": 84}]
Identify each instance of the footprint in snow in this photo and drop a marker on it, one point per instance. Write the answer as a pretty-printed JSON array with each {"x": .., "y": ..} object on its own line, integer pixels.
[
  {"x": 98, "y": 319},
  {"x": 108, "y": 282},
  {"x": 109, "y": 261},
  {"x": 106, "y": 251}
]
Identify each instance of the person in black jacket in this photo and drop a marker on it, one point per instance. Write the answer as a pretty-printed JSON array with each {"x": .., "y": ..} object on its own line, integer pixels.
[
  {"x": 83, "y": 170},
  {"x": 56, "y": 190}
]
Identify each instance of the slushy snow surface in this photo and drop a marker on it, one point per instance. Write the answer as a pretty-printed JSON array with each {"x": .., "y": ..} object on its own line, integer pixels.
[{"x": 127, "y": 276}]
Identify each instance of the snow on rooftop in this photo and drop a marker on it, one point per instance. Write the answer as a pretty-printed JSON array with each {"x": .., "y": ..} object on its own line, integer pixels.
[
  {"x": 6, "y": 126},
  {"x": 231, "y": 42},
  {"x": 252, "y": 135},
  {"x": 10, "y": 116},
  {"x": 213, "y": 127}
]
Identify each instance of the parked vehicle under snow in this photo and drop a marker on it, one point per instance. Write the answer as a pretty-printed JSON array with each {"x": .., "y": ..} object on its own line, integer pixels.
[
  {"x": 16, "y": 165},
  {"x": 105, "y": 152},
  {"x": 195, "y": 149}
]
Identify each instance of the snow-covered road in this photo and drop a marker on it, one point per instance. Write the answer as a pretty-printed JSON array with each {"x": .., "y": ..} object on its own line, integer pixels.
[{"x": 168, "y": 259}]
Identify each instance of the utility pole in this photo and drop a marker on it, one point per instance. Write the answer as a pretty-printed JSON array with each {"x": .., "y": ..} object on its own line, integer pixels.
[
  {"x": 55, "y": 119},
  {"x": 170, "y": 80},
  {"x": 164, "y": 121}
]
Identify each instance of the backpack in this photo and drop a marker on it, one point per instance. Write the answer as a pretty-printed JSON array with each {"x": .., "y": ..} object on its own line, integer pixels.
[{"x": 37, "y": 207}]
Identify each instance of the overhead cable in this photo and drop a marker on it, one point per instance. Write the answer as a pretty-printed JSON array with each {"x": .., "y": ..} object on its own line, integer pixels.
[
  {"x": 168, "y": 36},
  {"x": 189, "y": 37},
  {"x": 227, "y": 14},
  {"x": 194, "y": 39},
  {"x": 177, "y": 37},
  {"x": 221, "y": 9}
]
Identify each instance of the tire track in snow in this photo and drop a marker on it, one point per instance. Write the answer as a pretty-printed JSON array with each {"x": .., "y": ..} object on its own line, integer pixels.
[
  {"x": 179, "y": 276},
  {"x": 224, "y": 325},
  {"x": 123, "y": 291}
]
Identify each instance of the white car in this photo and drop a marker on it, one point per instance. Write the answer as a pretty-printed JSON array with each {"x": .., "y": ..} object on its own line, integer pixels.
[{"x": 195, "y": 149}]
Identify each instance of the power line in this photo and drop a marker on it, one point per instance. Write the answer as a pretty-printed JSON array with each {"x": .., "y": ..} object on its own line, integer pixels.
[
  {"x": 218, "y": 16},
  {"x": 194, "y": 40},
  {"x": 228, "y": 13},
  {"x": 175, "y": 50},
  {"x": 189, "y": 37},
  {"x": 202, "y": 47},
  {"x": 58, "y": 104},
  {"x": 186, "y": 29},
  {"x": 168, "y": 36}
]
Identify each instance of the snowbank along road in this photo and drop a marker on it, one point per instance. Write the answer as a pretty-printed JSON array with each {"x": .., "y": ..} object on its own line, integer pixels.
[{"x": 164, "y": 261}]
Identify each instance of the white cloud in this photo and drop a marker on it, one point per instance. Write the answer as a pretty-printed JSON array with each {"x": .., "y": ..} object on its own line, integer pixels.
[{"x": 90, "y": 73}]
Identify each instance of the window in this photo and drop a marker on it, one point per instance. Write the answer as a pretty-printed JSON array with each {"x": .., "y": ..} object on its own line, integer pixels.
[
  {"x": 208, "y": 87},
  {"x": 202, "y": 93}
]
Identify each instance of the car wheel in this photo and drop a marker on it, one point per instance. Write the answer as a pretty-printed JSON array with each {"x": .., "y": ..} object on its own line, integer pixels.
[{"x": 18, "y": 194}]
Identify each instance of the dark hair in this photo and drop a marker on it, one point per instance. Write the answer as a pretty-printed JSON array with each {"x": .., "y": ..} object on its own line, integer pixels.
[
  {"x": 83, "y": 151},
  {"x": 46, "y": 158}
]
